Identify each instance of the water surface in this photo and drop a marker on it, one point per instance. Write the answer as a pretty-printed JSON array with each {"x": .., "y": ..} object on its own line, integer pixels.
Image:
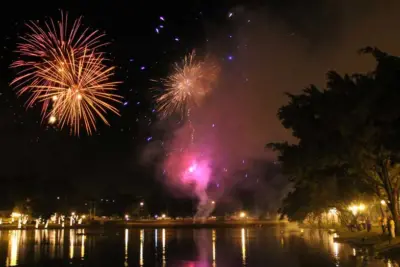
[{"x": 267, "y": 246}]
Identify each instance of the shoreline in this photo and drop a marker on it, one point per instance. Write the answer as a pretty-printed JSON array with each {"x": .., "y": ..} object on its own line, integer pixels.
[
  {"x": 149, "y": 224},
  {"x": 375, "y": 239}
]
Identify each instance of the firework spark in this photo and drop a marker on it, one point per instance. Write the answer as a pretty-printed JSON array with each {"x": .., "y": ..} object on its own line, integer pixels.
[
  {"x": 62, "y": 68},
  {"x": 187, "y": 85}
]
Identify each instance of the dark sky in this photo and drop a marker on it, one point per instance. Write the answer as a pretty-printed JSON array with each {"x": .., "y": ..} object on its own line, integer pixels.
[{"x": 265, "y": 49}]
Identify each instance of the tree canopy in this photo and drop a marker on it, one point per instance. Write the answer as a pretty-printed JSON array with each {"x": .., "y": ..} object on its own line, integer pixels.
[{"x": 347, "y": 139}]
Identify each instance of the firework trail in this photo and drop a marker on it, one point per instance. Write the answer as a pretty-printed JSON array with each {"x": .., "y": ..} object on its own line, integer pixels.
[
  {"x": 192, "y": 129},
  {"x": 62, "y": 68}
]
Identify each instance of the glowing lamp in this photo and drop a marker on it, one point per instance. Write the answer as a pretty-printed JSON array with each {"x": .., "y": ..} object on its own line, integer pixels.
[{"x": 242, "y": 214}]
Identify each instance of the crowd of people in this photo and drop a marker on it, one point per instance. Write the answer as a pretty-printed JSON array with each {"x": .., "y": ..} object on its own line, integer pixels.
[{"x": 361, "y": 223}]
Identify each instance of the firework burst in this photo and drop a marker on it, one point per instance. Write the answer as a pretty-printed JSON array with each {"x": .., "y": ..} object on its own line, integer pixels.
[
  {"x": 186, "y": 87},
  {"x": 61, "y": 68},
  {"x": 80, "y": 90}
]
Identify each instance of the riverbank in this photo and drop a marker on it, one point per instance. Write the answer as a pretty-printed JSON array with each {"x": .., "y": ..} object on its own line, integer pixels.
[
  {"x": 374, "y": 239},
  {"x": 153, "y": 224}
]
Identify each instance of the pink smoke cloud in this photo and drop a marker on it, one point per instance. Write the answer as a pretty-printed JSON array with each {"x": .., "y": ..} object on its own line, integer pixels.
[{"x": 188, "y": 170}]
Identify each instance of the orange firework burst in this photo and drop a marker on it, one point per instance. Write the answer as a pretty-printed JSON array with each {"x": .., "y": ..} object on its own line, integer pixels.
[
  {"x": 80, "y": 89},
  {"x": 187, "y": 85},
  {"x": 63, "y": 63}
]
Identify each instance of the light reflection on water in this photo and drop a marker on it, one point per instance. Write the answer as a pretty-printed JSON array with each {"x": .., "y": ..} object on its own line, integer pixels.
[
  {"x": 83, "y": 237},
  {"x": 71, "y": 243},
  {"x": 214, "y": 251},
  {"x": 141, "y": 261},
  {"x": 126, "y": 246},
  {"x": 164, "y": 259},
  {"x": 155, "y": 239},
  {"x": 343, "y": 253},
  {"x": 243, "y": 236},
  {"x": 181, "y": 247},
  {"x": 12, "y": 258}
]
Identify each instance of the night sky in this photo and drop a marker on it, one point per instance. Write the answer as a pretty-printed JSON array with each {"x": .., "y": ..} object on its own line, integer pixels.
[
  {"x": 265, "y": 48},
  {"x": 140, "y": 54}
]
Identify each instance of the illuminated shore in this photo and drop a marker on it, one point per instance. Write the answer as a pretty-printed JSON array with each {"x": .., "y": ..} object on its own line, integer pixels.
[
  {"x": 374, "y": 239},
  {"x": 152, "y": 224}
]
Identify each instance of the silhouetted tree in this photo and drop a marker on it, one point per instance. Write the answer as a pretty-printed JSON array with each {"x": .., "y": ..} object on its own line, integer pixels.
[{"x": 347, "y": 137}]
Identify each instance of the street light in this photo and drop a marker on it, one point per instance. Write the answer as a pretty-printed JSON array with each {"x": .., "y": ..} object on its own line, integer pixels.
[
  {"x": 213, "y": 202},
  {"x": 242, "y": 214},
  {"x": 333, "y": 211},
  {"x": 355, "y": 209},
  {"x": 142, "y": 204}
]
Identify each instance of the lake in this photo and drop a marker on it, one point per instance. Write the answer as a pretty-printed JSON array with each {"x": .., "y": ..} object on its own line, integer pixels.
[{"x": 266, "y": 246}]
